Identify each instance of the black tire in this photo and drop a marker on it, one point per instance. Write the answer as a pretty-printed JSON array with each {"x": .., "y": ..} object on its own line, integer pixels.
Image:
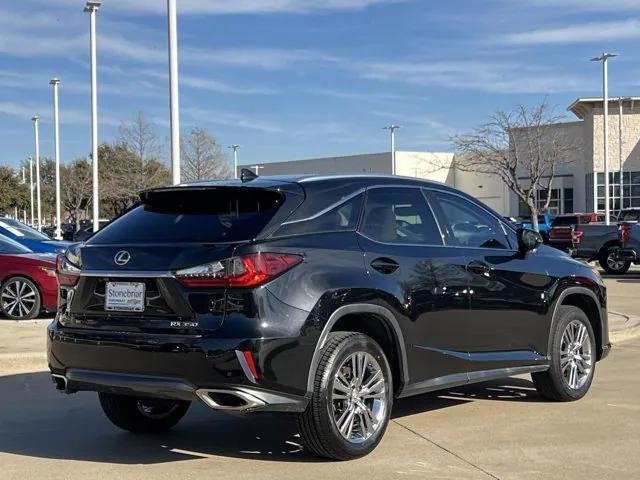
[
  {"x": 603, "y": 260},
  {"x": 142, "y": 415},
  {"x": 16, "y": 313},
  {"x": 317, "y": 425},
  {"x": 552, "y": 384}
]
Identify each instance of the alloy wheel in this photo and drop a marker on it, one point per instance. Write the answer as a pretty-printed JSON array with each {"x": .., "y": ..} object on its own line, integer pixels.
[
  {"x": 613, "y": 262},
  {"x": 18, "y": 298},
  {"x": 576, "y": 360},
  {"x": 358, "y": 397}
]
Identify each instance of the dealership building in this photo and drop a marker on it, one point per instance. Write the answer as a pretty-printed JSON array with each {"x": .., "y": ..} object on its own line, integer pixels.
[{"x": 573, "y": 184}]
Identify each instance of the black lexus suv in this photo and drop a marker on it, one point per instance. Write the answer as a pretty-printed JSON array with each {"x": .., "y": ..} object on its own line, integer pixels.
[{"x": 326, "y": 296}]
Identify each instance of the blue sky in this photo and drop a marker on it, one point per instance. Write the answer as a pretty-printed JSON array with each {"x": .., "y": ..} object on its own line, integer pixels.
[{"x": 291, "y": 79}]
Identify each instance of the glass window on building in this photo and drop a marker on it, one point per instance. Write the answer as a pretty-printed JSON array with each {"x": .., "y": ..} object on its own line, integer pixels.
[
  {"x": 630, "y": 191},
  {"x": 561, "y": 202}
]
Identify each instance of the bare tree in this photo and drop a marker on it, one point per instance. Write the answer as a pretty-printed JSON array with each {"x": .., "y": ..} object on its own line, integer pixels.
[
  {"x": 202, "y": 157},
  {"x": 139, "y": 137},
  {"x": 522, "y": 148},
  {"x": 77, "y": 191}
]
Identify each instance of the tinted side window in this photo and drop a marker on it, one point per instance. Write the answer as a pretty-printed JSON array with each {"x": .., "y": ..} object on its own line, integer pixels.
[
  {"x": 466, "y": 224},
  {"x": 399, "y": 215},
  {"x": 343, "y": 217}
]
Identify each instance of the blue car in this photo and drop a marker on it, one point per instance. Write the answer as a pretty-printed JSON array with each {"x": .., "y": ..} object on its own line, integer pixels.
[
  {"x": 30, "y": 237},
  {"x": 545, "y": 221}
]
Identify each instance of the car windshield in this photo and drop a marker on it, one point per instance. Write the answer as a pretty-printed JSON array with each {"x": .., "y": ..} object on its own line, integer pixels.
[
  {"x": 208, "y": 215},
  {"x": 9, "y": 246},
  {"x": 20, "y": 230}
]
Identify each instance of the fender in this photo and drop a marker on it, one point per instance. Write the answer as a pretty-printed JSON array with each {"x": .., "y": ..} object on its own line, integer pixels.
[
  {"x": 582, "y": 291},
  {"x": 383, "y": 312}
]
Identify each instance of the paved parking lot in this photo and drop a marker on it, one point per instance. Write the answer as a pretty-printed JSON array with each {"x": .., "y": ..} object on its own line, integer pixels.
[{"x": 498, "y": 429}]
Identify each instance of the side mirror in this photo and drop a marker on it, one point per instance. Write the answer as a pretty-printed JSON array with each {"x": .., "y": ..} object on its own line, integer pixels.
[{"x": 528, "y": 239}]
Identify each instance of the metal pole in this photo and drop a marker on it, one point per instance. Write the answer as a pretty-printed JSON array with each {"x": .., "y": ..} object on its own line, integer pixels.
[
  {"x": 56, "y": 142},
  {"x": 605, "y": 100},
  {"x": 235, "y": 159},
  {"x": 620, "y": 145},
  {"x": 37, "y": 153},
  {"x": 31, "y": 186},
  {"x": 392, "y": 130},
  {"x": 257, "y": 168},
  {"x": 92, "y": 7},
  {"x": 174, "y": 105}
]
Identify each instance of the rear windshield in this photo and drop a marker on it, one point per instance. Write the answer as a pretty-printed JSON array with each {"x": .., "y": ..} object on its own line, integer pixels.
[
  {"x": 9, "y": 246},
  {"x": 211, "y": 215},
  {"x": 630, "y": 216},
  {"x": 567, "y": 221},
  {"x": 20, "y": 230}
]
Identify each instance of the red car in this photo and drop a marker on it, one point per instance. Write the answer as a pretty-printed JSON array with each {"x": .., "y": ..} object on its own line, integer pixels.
[{"x": 28, "y": 283}]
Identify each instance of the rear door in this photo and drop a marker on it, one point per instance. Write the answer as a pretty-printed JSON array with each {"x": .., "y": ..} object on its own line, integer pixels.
[
  {"x": 507, "y": 325},
  {"x": 127, "y": 267},
  {"x": 421, "y": 281}
]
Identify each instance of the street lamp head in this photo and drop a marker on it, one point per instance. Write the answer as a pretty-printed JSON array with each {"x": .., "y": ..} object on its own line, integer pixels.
[
  {"x": 92, "y": 6},
  {"x": 604, "y": 56},
  {"x": 35, "y": 118},
  {"x": 234, "y": 146},
  {"x": 391, "y": 127},
  {"x": 54, "y": 81}
]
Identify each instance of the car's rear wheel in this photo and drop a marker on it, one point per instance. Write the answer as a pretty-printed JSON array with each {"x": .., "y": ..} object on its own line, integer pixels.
[
  {"x": 141, "y": 414},
  {"x": 352, "y": 398},
  {"x": 611, "y": 264},
  {"x": 573, "y": 357},
  {"x": 20, "y": 299}
]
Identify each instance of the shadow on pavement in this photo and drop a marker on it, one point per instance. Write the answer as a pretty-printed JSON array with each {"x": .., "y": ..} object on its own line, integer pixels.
[{"x": 38, "y": 421}]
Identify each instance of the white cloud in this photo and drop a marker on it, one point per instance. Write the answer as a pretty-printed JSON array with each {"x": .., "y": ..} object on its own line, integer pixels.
[
  {"x": 230, "y": 119},
  {"x": 583, "y": 5},
  {"x": 497, "y": 77},
  {"x": 583, "y": 33},
  {"x": 25, "y": 112}
]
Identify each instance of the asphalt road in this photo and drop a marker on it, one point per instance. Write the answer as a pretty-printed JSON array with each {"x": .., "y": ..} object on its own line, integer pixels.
[{"x": 497, "y": 429}]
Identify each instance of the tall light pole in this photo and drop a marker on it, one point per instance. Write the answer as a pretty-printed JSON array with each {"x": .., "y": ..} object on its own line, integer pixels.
[
  {"x": 91, "y": 8},
  {"x": 257, "y": 168},
  {"x": 392, "y": 131},
  {"x": 56, "y": 147},
  {"x": 36, "y": 136},
  {"x": 604, "y": 58},
  {"x": 31, "y": 185},
  {"x": 24, "y": 210},
  {"x": 174, "y": 105},
  {"x": 235, "y": 159}
]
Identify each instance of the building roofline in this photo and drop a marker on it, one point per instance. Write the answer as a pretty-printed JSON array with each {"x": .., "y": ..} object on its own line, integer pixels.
[{"x": 581, "y": 106}]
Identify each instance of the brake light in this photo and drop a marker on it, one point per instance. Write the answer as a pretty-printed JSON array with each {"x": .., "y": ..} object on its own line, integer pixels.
[
  {"x": 238, "y": 272},
  {"x": 67, "y": 272},
  {"x": 624, "y": 231}
]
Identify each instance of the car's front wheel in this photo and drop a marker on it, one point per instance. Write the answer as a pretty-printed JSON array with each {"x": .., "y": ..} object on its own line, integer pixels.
[
  {"x": 20, "y": 299},
  {"x": 142, "y": 415},
  {"x": 352, "y": 398},
  {"x": 573, "y": 357}
]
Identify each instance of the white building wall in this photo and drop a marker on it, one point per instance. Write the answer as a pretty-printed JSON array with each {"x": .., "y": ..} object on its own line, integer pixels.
[{"x": 436, "y": 166}]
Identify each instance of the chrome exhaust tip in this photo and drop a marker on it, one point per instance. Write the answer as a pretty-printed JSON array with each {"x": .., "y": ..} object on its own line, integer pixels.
[
  {"x": 232, "y": 400},
  {"x": 60, "y": 381}
]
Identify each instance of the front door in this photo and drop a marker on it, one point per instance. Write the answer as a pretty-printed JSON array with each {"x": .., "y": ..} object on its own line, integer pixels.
[{"x": 508, "y": 325}]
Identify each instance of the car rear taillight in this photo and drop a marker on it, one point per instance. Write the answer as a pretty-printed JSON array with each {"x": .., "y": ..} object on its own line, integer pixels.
[
  {"x": 67, "y": 272},
  {"x": 624, "y": 232},
  {"x": 576, "y": 236},
  {"x": 238, "y": 272}
]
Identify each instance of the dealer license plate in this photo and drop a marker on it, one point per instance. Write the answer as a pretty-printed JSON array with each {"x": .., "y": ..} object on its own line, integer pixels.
[{"x": 124, "y": 297}]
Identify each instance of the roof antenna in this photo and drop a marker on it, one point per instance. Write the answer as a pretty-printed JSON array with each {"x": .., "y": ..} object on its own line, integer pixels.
[{"x": 247, "y": 175}]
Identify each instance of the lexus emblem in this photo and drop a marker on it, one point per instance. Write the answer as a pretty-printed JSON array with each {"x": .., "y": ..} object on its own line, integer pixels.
[{"x": 122, "y": 258}]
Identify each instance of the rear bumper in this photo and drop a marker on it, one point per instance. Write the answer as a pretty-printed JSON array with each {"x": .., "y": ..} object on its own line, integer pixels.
[{"x": 183, "y": 367}]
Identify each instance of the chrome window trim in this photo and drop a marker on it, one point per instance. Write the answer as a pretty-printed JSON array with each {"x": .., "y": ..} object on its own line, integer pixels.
[{"x": 126, "y": 274}]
